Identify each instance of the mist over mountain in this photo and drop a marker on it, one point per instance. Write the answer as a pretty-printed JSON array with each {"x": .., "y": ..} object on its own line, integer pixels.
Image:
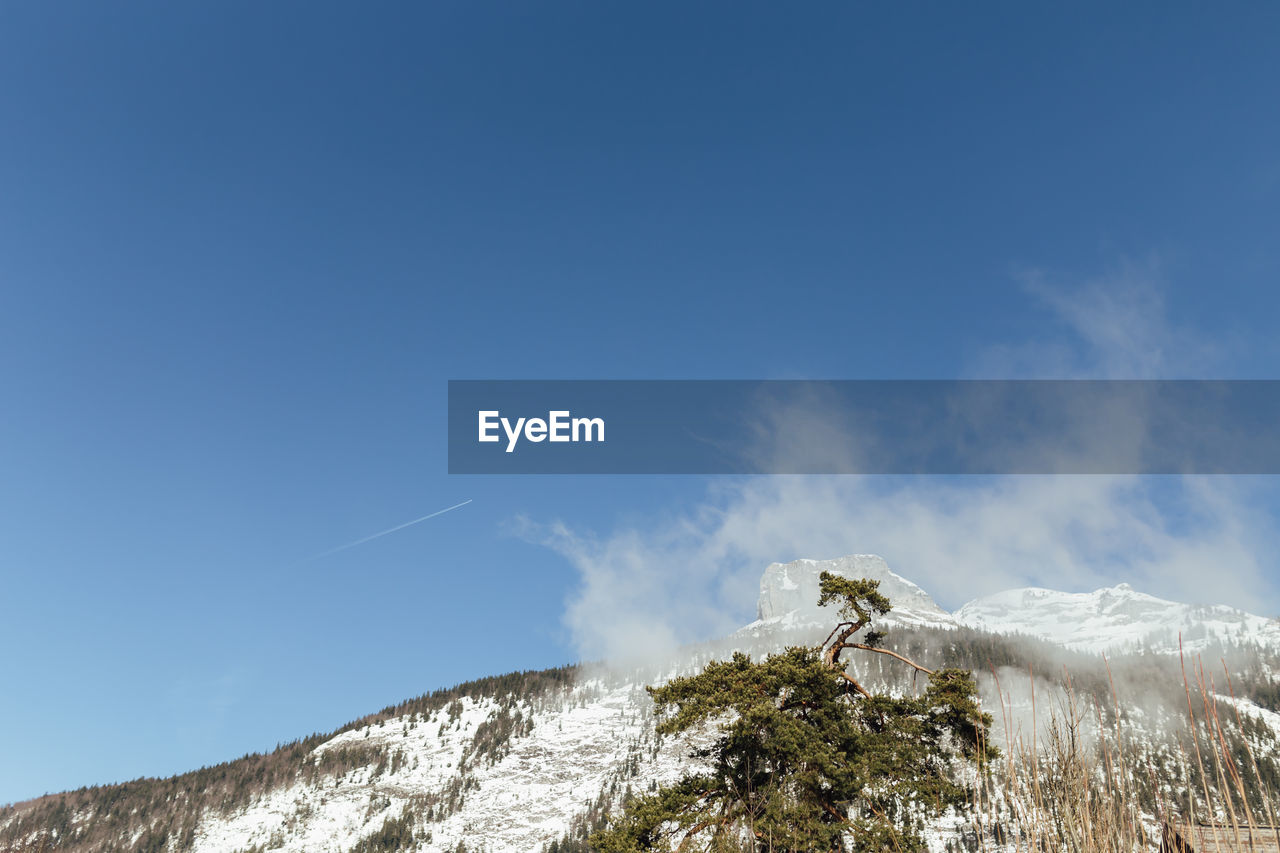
[{"x": 535, "y": 760}]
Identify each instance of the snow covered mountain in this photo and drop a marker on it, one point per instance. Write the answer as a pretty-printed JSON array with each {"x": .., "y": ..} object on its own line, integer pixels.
[
  {"x": 790, "y": 591},
  {"x": 788, "y": 611},
  {"x": 531, "y": 761},
  {"x": 1117, "y": 618}
]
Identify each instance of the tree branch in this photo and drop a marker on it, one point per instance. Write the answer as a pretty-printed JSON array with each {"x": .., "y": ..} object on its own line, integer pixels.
[
  {"x": 833, "y": 632},
  {"x": 694, "y": 830},
  {"x": 908, "y": 661},
  {"x": 856, "y": 686},
  {"x": 832, "y": 654}
]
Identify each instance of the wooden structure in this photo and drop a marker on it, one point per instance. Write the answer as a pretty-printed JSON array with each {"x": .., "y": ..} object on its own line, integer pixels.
[{"x": 1204, "y": 838}]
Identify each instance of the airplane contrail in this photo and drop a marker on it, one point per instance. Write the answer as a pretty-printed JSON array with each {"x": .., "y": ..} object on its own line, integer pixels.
[{"x": 384, "y": 532}]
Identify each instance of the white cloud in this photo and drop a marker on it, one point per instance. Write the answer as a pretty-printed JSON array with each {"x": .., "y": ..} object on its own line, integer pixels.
[
  {"x": 694, "y": 575},
  {"x": 1113, "y": 325}
]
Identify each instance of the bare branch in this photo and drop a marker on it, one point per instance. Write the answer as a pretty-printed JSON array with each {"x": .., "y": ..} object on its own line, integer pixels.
[
  {"x": 856, "y": 686},
  {"x": 867, "y": 648},
  {"x": 833, "y": 632}
]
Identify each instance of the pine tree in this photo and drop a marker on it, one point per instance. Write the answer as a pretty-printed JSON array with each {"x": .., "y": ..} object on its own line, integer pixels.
[{"x": 804, "y": 757}]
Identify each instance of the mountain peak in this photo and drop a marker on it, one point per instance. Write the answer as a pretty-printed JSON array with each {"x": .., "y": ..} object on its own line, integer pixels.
[
  {"x": 789, "y": 591},
  {"x": 1114, "y": 618}
]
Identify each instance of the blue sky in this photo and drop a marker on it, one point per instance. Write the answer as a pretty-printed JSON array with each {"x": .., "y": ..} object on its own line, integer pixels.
[{"x": 243, "y": 247}]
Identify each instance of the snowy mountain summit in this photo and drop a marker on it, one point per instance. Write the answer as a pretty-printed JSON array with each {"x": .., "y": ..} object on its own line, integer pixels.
[
  {"x": 789, "y": 593},
  {"x": 1112, "y": 619},
  {"x": 1117, "y": 618}
]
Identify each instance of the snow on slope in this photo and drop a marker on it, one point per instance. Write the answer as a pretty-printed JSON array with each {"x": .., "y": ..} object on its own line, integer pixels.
[
  {"x": 1114, "y": 619},
  {"x": 517, "y": 804}
]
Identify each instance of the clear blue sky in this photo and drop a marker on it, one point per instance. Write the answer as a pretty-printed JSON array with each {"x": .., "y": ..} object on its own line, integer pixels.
[{"x": 243, "y": 246}]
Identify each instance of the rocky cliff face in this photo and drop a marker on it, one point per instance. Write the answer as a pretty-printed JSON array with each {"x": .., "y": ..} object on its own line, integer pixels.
[{"x": 789, "y": 591}]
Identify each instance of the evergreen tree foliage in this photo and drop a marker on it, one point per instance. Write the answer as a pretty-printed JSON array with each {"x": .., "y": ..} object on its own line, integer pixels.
[
  {"x": 802, "y": 757},
  {"x": 395, "y": 834}
]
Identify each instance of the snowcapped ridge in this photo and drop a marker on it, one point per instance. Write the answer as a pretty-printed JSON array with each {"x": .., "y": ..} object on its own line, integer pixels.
[{"x": 1116, "y": 618}]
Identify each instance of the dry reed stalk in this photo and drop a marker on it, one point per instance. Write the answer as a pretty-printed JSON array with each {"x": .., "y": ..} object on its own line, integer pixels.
[{"x": 1253, "y": 761}]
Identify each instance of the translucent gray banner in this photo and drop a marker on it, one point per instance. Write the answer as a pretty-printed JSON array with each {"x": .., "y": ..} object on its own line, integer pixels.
[{"x": 864, "y": 427}]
